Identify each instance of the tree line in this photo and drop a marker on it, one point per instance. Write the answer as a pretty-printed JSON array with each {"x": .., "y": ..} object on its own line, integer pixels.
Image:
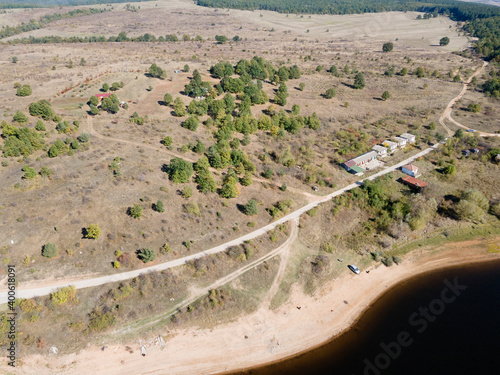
[
  {"x": 122, "y": 37},
  {"x": 43, "y": 21}
]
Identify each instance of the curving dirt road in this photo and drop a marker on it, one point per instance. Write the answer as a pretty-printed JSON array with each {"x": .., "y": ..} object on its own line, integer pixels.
[
  {"x": 42, "y": 291},
  {"x": 447, "y": 111},
  {"x": 284, "y": 249}
]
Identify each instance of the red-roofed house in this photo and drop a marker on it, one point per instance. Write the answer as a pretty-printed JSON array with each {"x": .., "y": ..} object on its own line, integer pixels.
[
  {"x": 414, "y": 182},
  {"x": 100, "y": 96},
  {"x": 410, "y": 170}
]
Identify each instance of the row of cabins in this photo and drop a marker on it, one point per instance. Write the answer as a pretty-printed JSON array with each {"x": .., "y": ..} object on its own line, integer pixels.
[
  {"x": 392, "y": 146},
  {"x": 355, "y": 165}
]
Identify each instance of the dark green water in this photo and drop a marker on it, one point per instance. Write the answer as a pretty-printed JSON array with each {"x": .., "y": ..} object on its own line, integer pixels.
[{"x": 444, "y": 322}]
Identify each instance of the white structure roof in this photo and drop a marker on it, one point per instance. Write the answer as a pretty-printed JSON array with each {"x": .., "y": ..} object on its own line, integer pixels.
[{"x": 379, "y": 148}]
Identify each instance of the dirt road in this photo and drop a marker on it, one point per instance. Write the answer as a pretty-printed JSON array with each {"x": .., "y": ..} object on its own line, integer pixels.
[
  {"x": 447, "y": 112},
  {"x": 42, "y": 291}
]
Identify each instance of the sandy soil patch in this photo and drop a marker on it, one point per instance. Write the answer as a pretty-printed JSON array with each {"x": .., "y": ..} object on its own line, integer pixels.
[{"x": 270, "y": 335}]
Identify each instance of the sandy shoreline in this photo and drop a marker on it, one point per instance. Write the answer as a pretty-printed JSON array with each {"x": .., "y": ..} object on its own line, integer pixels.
[{"x": 271, "y": 335}]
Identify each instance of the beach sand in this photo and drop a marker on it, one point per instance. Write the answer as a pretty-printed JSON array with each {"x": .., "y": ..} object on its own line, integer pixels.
[{"x": 264, "y": 336}]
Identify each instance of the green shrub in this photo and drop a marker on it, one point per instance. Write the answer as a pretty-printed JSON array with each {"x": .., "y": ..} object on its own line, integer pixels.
[
  {"x": 187, "y": 192},
  {"x": 192, "y": 208},
  {"x": 93, "y": 231},
  {"x": 146, "y": 255},
  {"x": 387, "y": 261},
  {"x": 49, "y": 250},
  {"x": 100, "y": 321},
  {"x": 63, "y": 295},
  {"x": 158, "y": 207},
  {"x": 330, "y": 93},
  {"x": 313, "y": 211},
  {"x": 251, "y": 208},
  {"x": 29, "y": 172},
  {"x": 327, "y": 247},
  {"x": 180, "y": 170},
  {"x": 135, "y": 211}
]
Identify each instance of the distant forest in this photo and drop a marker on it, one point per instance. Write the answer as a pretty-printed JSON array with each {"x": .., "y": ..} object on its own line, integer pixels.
[{"x": 482, "y": 21}]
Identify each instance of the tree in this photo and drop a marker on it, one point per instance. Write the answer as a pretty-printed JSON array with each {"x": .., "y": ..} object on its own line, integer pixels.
[
  {"x": 93, "y": 100},
  {"x": 388, "y": 47},
  {"x": 474, "y": 107},
  {"x": 105, "y": 87},
  {"x": 20, "y": 117},
  {"x": 49, "y": 250},
  {"x": 15, "y": 59},
  {"x": 403, "y": 72},
  {"x": 459, "y": 134},
  {"x": 146, "y": 255},
  {"x": 159, "y": 207},
  {"x": 457, "y": 78},
  {"x": 135, "y": 211},
  {"x": 359, "y": 81},
  {"x": 444, "y": 41},
  {"x": 24, "y": 90},
  {"x": 191, "y": 123},
  {"x": 84, "y": 137},
  {"x": 186, "y": 68},
  {"x": 420, "y": 72},
  {"x": 221, "y": 39},
  {"x": 333, "y": 70},
  {"x": 229, "y": 190},
  {"x": 302, "y": 86},
  {"x": 167, "y": 99},
  {"x": 180, "y": 170},
  {"x": 281, "y": 95},
  {"x": 93, "y": 231},
  {"x": 167, "y": 141},
  {"x": 330, "y": 93},
  {"x": 386, "y": 95},
  {"x": 156, "y": 72},
  {"x": 41, "y": 108},
  {"x": 440, "y": 137},
  {"x": 450, "y": 169},
  {"x": 179, "y": 107},
  {"x": 251, "y": 208},
  {"x": 246, "y": 180}
]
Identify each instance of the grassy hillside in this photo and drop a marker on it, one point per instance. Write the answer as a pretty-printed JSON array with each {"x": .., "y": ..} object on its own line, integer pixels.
[{"x": 47, "y": 3}]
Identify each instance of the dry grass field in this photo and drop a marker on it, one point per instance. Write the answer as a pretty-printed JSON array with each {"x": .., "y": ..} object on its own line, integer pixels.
[{"x": 83, "y": 190}]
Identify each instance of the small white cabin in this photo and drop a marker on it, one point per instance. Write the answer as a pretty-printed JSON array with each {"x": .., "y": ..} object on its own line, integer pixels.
[
  {"x": 380, "y": 150},
  {"x": 392, "y": 146},
  {"x": 400, "y": 141},
  {"x": 409, "y": 137}
]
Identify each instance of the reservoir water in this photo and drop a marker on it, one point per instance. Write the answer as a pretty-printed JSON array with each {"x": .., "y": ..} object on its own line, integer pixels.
[{"x": 438, "y": 323}]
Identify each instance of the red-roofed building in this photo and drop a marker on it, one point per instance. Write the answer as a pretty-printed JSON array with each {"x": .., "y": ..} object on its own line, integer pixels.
[
  {"x": 100, "y": 96},
  {"x": 414, "y": 182}
]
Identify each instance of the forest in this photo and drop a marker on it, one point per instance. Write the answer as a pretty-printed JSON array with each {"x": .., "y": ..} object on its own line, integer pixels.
[{"x": 482, "y": 21}]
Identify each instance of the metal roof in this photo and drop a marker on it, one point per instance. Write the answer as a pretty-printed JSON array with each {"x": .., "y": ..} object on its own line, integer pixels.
[{"x": 415, "y": 182}]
